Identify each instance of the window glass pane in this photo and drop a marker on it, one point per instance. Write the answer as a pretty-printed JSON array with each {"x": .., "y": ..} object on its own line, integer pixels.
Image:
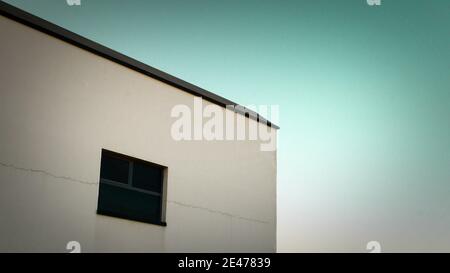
[
  {"x": 114, "y": 169},
  {"x": 129, "y": 204},
  {"x": 147, "y": 177}
]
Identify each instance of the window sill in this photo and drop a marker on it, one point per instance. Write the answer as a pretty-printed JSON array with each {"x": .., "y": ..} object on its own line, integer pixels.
[{"x": 126, "y": 217}]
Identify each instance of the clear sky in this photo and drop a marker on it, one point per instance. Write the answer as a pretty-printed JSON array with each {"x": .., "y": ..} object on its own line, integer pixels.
[{"x": 363, "y": 91}]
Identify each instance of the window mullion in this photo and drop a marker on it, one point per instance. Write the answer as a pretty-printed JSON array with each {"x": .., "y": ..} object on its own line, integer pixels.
[{"x": 130, "y": 174}]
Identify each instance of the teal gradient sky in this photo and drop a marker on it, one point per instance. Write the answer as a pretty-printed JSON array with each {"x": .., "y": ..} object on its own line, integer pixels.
[{"x": 364, "y": 96}]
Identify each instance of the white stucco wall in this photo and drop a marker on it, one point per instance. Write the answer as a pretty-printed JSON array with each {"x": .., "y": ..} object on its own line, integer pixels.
[{"x": 60, "y": 105}]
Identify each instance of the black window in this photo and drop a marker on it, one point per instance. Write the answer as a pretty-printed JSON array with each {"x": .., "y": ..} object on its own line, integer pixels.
[{"x": 130, "y": 188}]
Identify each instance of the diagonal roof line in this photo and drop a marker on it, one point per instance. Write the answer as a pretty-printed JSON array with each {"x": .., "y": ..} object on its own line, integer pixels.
[{"x": 56, "y": 31}]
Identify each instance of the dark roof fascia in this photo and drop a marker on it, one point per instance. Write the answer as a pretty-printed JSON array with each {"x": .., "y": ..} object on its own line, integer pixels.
[{"x": 42, "y": 25}]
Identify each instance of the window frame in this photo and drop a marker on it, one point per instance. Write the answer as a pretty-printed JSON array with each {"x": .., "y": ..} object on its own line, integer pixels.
[{"x": 129, "y": 186}]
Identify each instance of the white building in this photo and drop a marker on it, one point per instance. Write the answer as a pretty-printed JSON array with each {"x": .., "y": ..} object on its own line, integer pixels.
[{"x": 86, "y": 154}]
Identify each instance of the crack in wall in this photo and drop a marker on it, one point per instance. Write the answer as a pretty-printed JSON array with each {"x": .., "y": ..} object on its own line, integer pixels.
[
  {"x": 94, "y": 183},
  {"x": 47, "y": 173},
  {"x": 218, "y": 212}
]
